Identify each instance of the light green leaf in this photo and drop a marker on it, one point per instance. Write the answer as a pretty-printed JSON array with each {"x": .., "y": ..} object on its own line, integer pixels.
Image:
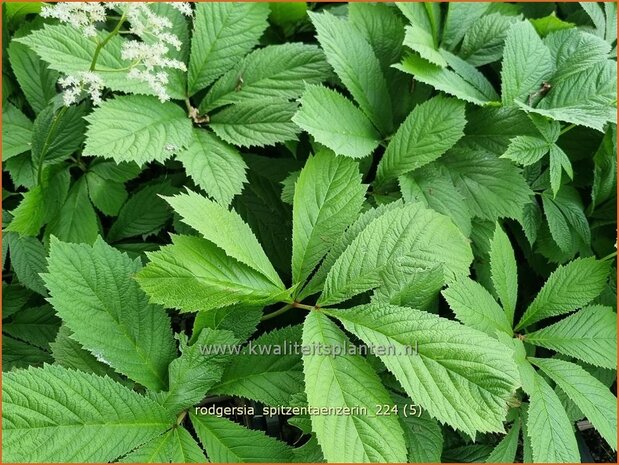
[
  {"x": 526, "y": 63},
  {"x": 229, "y": 442},
  {"x": 483, "y": 43},
  {"x": 548, "y": 426},
  {"x": 459, "y": 19},
  {"x": 175, "y": 446},
  {"x": 223, "y": 33},
  {"x": 504, "y": 272},
  {"x": 78, "y": 416},
  {"x": 336, "y": 122},
  {"x": 423, "y": 435},
  {"x": 422, "y": 42},
  {"x": 347, "y": 381},
  {"x": 493, "y": 188},
  {"x": 225, "y": 229},
  {"x": 411, "y": 232},
  {"x": 239, "y": 319},
  {"x": 471, "y": 75},
  {"x": 355, "y": 63},
  {"x": 276, "y": 71},
  {"x": 526, "y": 150},
  {"x": 93, "y": 291},
  {"x": 549, "y": 24},
  {"x": 459, "y": 375},
  {"x": 16, "y": 132},
  {"x": 214, "y": 165},
  {"x": 442, "y": 79},
  {"x": 474, "y": 306},
  {"x": 592, "y": 327},
  {"x": 256, "y": 123},
  {"x": 327, "y": 199},
  {"x": 595, "y": 13},
  {"x": 265, "y": 370},
  {"x": 568, "y": 288},
  {"x": 592, "y": 397},
  {"x": 505, "y": 451},
  {"x": 137, "y": 128},
  {"x": 575, "y": 51},
  {"x": 431, "y": 129}
]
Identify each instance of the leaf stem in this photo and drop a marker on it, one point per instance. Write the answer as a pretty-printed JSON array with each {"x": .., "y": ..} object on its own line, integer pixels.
[
  {"x": 567, "y": 128},
  {"x": 609, "y": 256},
  {"x": 282, "y": 310},
  {"x": 102, "y": 44}
]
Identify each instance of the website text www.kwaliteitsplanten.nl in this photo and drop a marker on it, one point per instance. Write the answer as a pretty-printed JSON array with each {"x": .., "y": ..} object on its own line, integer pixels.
[{"x": 297, "y": 348}]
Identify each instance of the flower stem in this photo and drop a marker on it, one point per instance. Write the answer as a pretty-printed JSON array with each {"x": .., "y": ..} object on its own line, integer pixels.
[{"x": 102, "y": 44}]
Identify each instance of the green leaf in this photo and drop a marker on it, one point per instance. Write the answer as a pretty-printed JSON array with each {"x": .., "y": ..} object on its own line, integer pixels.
[
  {"x": 459, "y": 19},
  {"x": 595, "y": 13},
  {"x": 432, "y": 186},
  {"x": 355, "y": 63},
  {"x": 226, "y": 230},
  {"x": 106, "y": 195},
  {"x": 592, "y": 397},
  {"x": 100, "y": 421},
  {"x": 526, "y": 150},
  {"x": 347, "y": 381},
  {"x": 548, "y": 24},
  {"x": 592, "y": 327},
  {"x": 471, "y": 75},
  {"x": 93, "y": 291},
  {"x": 484, "y": 42},
  {"x": 459, "y": 375},
  {"x": 327, "y": 199},
  {"x": 493, "y": 188},
  {"x": 175, "y": 446},
  {"x": 431, "y": 129},
  {"x": 28, "y": 260},
  {"x": 568, "y": 288},
  {"x": 575, "y": 51},
  {"x": 421, "y": 41},
  {"x": 137, "y": 128},
  {"x": 239, "y": 319},
  {"x": 215, "y": 166},
  {"x": 559, "y": 162},
  {"x": 223, "y": 33},
  {"x": 18, "y": 354},
  {"x": 423, "y": 435},
  {"x": 37, "y": 326},
  {"x": 265, "y": 370},
  {"x": 442, "y": 79},
  {"x": 526, "y": 63},
  {"x": 16, "y": 132},
  {"x": 229, "y": 442},
  {"x": 411, "y": 232},
  {"x": 504, "y": 272},
  {"x": 193, "y": 274},
  {"x": 276, "y": 71},
  {"x": 605, "y": 170},
  {"x": 474, "y": 306},
  {"x": 336, "y": 122},
  {"x": 256, "y": 123},
  {"x": 505, "y": 451},
  {"x": 548, "y": 426},
  {"x": 195, "y": 372}
]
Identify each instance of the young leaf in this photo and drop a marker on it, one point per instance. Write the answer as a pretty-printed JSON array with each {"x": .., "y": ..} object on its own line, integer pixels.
[
  {"x": 223, "y": 33},
  {"x": 592, "y": 397},
  {"x": 225, "y": 229},
  {"x": 347, "y": 381},
  {"x": 137, "y": 128},
  {"x": 592, "y": 327},
  {"x": 78, "y": 416},
  {"x": 336, "y": 122},
  {"x": 229, "y": 442},
  {"x": 413, "y": 232},
  {"x": 504, "y": 272},
  {"x": 526, "y": 63},
  {"x": 93, "y": 291},
  {"x": 568, "y": 288},
  {"x": 431, "y": 129},
  {"x": 474, "y": 306},
  {"x": 214, "y": 165},
  {"x": 440, "y": 376},
  {"x": 327, "y": 199},
  {"x": 175, "y": 446},
  {"x": 355, "y": 63}
]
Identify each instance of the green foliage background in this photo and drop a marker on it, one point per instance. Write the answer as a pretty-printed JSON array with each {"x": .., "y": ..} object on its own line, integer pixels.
[{"x": 440, "y": 176}]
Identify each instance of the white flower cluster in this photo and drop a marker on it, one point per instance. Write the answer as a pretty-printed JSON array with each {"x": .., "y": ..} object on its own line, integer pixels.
[
  {"x": 73, "y": 86},
  {"x": 80, "y": 15}
]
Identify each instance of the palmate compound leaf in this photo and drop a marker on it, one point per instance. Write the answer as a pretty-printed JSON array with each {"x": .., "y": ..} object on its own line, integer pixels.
[
  {"x": 568, "y": 288},
  {"x": 92, "y": 289},
  {"x": 228, "y": 442},
  {"x": 459, "y": 375},
  {"x": 591, "y": 396},
  {"x": 53, "y": 414},
  {"x": 327, "y": 198},
  {"x": 175, "y": 446},
  {"x": 334, "y": 121},
  {"x": 588, "y": 335},
  {"x": 410, "y": 233},
  {"x": 193, "y": 274},
  {"x": 431, "y": 129},
  {"x": 137, "y": 128},
  {"x": 226, "y": 229},
  {"x": 265, "y": 371},
  {"x": 347, "y": 381}
]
